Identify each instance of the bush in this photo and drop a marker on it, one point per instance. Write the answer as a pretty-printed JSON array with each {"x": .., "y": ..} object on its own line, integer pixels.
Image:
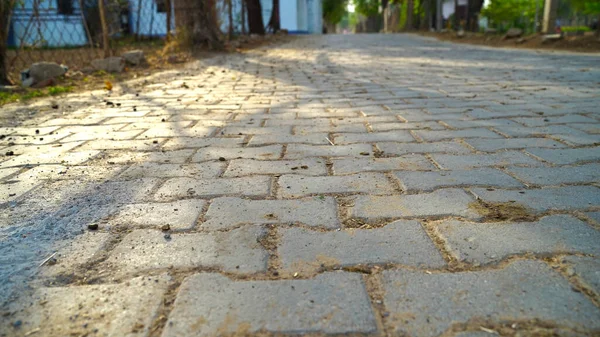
[{"x": 568, "y": 29}]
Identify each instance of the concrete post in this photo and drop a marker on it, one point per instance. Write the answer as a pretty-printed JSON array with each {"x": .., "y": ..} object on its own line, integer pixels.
[{"x": 439, "y": 23}]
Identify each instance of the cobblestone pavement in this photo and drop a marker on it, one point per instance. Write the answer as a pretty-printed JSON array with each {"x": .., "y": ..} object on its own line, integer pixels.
[{"x": 380, "y": 185}]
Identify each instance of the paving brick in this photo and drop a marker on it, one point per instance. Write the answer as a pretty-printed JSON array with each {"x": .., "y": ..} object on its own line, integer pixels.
[
  {"x": 389, "y": 126},
  {"x": 231, "y": 212},
  {"x": 257, "y": 130},
  {"x": 392, "y": 136},
  {"x": 236, "y": 251},
  {"x": 567, "y": 156},
  {"x": 356, "y": 165},
  {"x": 330, "y": 303},
  {"x": 178, "y": 143},
  {"x": 427, "y": 181},
  {"x": 74, "y": 253},
  {"x": 293, "y": 186},
  {"x": 298, "y": 151},
  {"x": 180, "y": 214},
  {"x": 464, "y": 124},
  {"x": 312, "y": 138},
  {"x": 174, "y": 157},
  {"x": 403, "y": 148},
  {"x": 587, "y": 173},
  {"x": 328, "y": 128},
  {"x": 594, "y": 216},
  {"x": 478, "y": 243},
  {"x": 302, "y": 249},
  {"x": 133, "y": 145},
  {"x": 270, "y": 152},
  {"x": 188, "y": 187},
  {"x": 93, "y": 309},
  {"x": 501, "y": 159},
  {"x": 243, "y": 167},
  {"x": 58, "y": 157},
  {"x": 443, "y": 202},
  {"x": 546, "y": 199},
  {"x": 436, "y": 135},
  {"x": 198, "y": 171},
  {"x": 60, "y": 172},
  {"x": 491, "y": 145},
  {"x": 587, "y": 269},
  {"x": 422, "y": 304},
  {"x": 542, "y": 121}
]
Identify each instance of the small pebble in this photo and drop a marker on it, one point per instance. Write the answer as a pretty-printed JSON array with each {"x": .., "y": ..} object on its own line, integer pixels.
[
  {"x": 93, "y": 226},
  {"x": 165, "y": 228},
  {"x": 222, "y": 159}
]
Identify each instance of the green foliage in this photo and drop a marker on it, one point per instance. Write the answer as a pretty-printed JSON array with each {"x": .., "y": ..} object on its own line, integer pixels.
[
  {"x": 367, "y": 7},
  {"x": 587, "y": 6},
  {"x": 9, "y": 97},
  {"x": 510, "y": 11},
  {"x": 334, "y": 10},
  {"x": 575, "y": 29}
]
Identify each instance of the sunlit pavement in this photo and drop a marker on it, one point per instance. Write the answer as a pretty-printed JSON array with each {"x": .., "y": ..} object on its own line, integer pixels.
[{"x": 380, "y": 185}]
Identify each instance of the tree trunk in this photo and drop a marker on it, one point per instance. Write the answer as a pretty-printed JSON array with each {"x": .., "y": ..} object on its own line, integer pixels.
[
  {"x": 105, "y": 45},
  {"x": 455, "y": 23},
  {"x": 274, "y": 22},
  {"x": 230, "y": 16},
  {"x": 5, "y": 10},
  {"x": 168, "y": 4},
  {"x": 409, "y": 14},
  {"x": 243, "y": 17},
  {"x": 255, "y": 20},
  {"x": 598, "y": 27},
  {"x": 205, "y": 29}
]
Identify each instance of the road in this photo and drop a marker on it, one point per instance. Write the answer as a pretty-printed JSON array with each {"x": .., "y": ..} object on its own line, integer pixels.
[{"x": 380, "y": 185}]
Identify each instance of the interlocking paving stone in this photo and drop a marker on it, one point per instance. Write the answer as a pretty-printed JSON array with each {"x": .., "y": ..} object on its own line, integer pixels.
[
  {"x": 587, "y": 269},
  {"x": 567, "y": 156},
  {"x": 231, "y": 212},
  {"x": 390, "y": 126},
  {"x": 100, "y": 310},
  {"x": 236, "y": 251},
  {"x": 393, "y": 136},
  {"x": 313, "y": 138},
  {"x": 173, "y": 157},
  {"x": 443, "y": 202},
  {"x": 491, "y": 145},
  {"x": 403, "y": 148},
  {"x": 478, "y": 242},
  {"x": 298, "y": 151},
  {"x": 594, "y": 215},
  {"x": 179, "y": 214},
  {"x": 330, "y": 303},
  {"x": 541, "y": 121},
  {"x": 426, "y": 181},
  {"x": 302, "y": 249},
  {"x": 546, "y": 199},
  {"x": 308, "y": 166},
  {"x": 356, "y": 165},
  {"x": 431, "y": 136},
  {"x": 179, "y": 143},
  {"x": 425, "y": 304},
  {"x": 269, "y": 152},
  {"x": 199, "y": 171},
  {"x": 504, "y": 158},
  {"x": 293, "y": 186},
  {"x": 587, "y": 173},
  {"x": 76, "y": 253},
  {"x": 188, "y": 187}
]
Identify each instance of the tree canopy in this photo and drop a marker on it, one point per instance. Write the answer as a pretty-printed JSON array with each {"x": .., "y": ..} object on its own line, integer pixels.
[
  {"x": 367, "y": 7},
  {"x": 334, "y": 10}
]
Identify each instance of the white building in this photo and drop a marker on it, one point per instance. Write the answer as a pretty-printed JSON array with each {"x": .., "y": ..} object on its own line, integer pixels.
[{"x": 301, "y": 16}]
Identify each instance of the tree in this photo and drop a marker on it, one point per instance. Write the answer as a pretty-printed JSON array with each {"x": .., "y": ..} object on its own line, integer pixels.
[
  {"x": 6, "y": 7},
  {"x": 274, "y": 24},
  {"x": 255, "y": 20},
  {"x": 511, "y": 13},
  {"x": 333, "y": 12},
  {"x": 591, "y": 7}
]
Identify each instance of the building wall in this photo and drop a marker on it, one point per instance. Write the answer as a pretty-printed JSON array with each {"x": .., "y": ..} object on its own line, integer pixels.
[
  {"x": 301, "y": 16},
  {"x": 49, "y": 29},
  {"x": 151, "y": 21}
]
